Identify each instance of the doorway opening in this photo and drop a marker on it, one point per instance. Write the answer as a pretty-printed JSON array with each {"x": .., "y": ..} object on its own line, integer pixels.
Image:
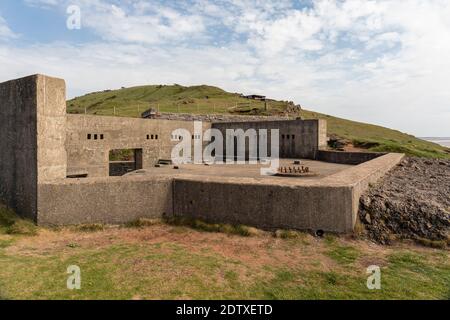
[{"x": 123, "y": 161}]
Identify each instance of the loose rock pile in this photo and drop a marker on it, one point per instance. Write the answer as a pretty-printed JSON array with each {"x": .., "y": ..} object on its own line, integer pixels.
[
  {"x": 412, "y": 202},
  {"x": 220, "y": 118}
]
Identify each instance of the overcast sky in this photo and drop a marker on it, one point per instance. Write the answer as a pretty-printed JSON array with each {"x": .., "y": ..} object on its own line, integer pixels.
[{"x": 383, "y": 62}]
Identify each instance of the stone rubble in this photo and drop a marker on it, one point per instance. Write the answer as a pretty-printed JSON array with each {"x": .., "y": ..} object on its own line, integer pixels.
[
  {"x": 220, "y": 117},
  {"x": 412, "y": 202}
]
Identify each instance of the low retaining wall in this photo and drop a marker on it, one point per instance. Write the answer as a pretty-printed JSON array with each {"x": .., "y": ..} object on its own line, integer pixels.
[
  {"x": 104, "y": 200},
  {"x": 265, "y": 206},
  {"x": 341, "y": 157},
  {"x": 330, "y": 204}
]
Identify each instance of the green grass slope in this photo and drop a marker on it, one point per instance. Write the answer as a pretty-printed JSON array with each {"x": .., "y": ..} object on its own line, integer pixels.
[
  {"x": 131, "y": 102},
  {"x": 379, "y": 139}
]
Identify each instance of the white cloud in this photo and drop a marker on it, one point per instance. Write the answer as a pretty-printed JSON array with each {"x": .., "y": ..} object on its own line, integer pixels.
[
  {"x": 379, "y": 61},
  {"x": 5, "y": 32}
]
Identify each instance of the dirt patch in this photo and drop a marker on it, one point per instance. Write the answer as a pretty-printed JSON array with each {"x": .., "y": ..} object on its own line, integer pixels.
[
  {"x": 253, "y": 252},
  {"x": 412, "y": 202}
]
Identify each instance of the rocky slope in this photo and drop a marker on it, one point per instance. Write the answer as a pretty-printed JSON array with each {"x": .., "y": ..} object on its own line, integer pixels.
[{"x": 412, "y": 202}]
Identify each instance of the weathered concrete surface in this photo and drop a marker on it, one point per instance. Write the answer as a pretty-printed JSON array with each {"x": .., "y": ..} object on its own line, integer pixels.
[
  {"x": 347, "y": 157},
  {"x": 266, "y": 206},
  {"x": 361, "y": 176},
  {"x": 51, "y": 127},
  {"x": 32, "y": 126},
  {"x": 240, "y": 171},
  {"x": 298, "y": 138},
  {"x": 330, "y": 204},
  {"x": 154, "y": 137},
  {"x": 104, "y": 200}
]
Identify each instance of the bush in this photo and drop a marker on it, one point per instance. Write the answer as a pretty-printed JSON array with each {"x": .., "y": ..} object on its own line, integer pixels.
[
  {"x": 201, "y": 225},
  {"x": 287, "y": 234},
  {"x": 94, "y": 227},
  {"x": 142, "y": 223}
]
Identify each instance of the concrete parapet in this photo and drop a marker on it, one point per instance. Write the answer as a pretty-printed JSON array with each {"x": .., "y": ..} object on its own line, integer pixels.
[
  {"x": 342, "y": 157},
  {"x": 111, "y": 200},
  {"x": 330, "y": 204}
]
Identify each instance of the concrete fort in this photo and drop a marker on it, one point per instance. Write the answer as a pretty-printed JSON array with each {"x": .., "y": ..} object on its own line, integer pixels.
[{"x": 55, "y": 167}]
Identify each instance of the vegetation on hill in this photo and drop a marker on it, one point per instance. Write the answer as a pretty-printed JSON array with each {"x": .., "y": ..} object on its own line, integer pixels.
[{"x": 131, "y": 102}]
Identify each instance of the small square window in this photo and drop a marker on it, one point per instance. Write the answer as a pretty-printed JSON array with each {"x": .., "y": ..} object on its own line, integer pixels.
[
  {"x": 293, "y": 137},
  {"x": 148, "y": 137},
  {"x": 95, "y": 137},
  {"x": 156, "y": 137},
  {"x": 282, "y": 136},
  {"x": 153, "y": 137},
  {"x": 102, "y": 137},
  {"x": 193, "y": 137},
  {"x": 89, "y": 136}
]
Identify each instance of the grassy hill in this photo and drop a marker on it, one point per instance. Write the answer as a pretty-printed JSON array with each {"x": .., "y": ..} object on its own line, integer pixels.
[{"x": 131, "y": 102}]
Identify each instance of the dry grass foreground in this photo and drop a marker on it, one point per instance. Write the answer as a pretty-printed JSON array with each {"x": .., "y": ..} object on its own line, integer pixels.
[{"x": 162, "y": 261}]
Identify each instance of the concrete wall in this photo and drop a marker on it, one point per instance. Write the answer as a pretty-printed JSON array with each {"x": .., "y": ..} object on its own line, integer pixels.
[
  {"x": 298, "y": 139},
  {"x": 92, "y": 155},
  {"x": 266, "y": 206},
  {"x": 108, "y": 133},
  {"x": 330, "y": 204},
  {"x": 360, "y": 177},
  {"x": 354, "y": 158},
  {"x": 104, "y": 200},
  {"x": 32, "y": 126}
]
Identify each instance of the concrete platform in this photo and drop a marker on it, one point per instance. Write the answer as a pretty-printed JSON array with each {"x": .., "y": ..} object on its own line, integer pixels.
[
  {"x": 328, "y": 203},
  {"x": 323, "y": 169}
]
